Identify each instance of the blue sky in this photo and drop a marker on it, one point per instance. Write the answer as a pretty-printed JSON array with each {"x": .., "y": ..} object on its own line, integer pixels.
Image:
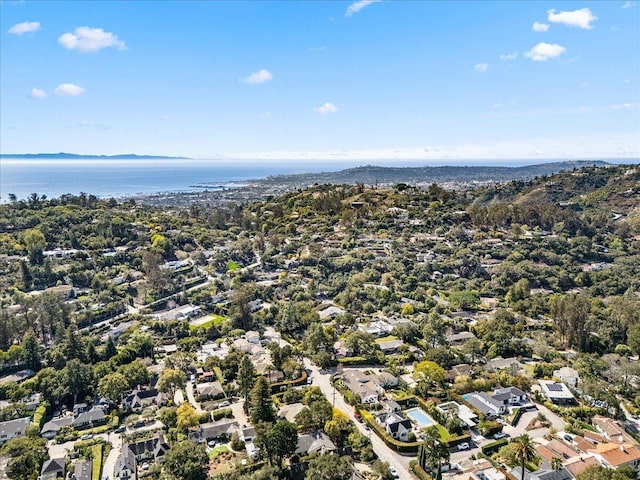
[{"x": 322, "y": 80}]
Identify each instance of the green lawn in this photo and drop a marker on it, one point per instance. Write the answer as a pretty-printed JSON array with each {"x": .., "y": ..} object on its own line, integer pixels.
[
  {"x": 213, "y": 320},
  {"x": 220, "y": 449},
  {"x": 231, "y": 266},
  {"x": 388, "y": 338}
]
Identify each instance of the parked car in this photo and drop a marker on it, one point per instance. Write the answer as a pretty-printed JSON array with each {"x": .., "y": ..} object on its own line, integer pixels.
[
  {"x": 86, "y": 436},
  {"x": 145, "y": 466},
  {"x": 226, "y": 403},
  {"x": 212, "y": 443},
  {"x": 568, "y": 438},
  {"x": 120, "y": 429},
  {"x": 357, "y": 417},
  {"x": 463, "y": 446},
  {"x": 394, "y": 472},
  {"x": 500, "y": 435}
]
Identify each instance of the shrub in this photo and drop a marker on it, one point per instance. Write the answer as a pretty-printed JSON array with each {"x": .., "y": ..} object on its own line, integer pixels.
[{"x": 492, "y": 447}]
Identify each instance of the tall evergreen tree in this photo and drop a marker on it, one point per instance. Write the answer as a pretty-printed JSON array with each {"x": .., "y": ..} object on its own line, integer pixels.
[
  {"x": 31, "y": 351},
  {"x": 245, "y": 379},
  {"x": 261, "y": 403}
]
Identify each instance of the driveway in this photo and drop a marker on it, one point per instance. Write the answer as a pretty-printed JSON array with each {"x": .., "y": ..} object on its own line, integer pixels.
[
  {"x": 192, "y": 398},
  {"x": 395, "y": 460}
]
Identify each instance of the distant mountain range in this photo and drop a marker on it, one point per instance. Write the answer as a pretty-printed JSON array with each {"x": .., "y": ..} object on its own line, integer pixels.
[
  {"x": 371, "y": 174},
  {"x": 73, "y": 156}
]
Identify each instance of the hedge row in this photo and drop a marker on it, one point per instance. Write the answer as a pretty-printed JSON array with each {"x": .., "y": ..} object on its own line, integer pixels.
[
  {"x": 420, "y": 473},
  {"x": 354, "y": 361},
  {"x": 96, "y": 451},
  {"x": 221, "y": 413},
  {"x": 38, "y": 416},
  {"x": 396, "y": 445},
  {"x": 492, "y": 447},
  {"x": 279, "y": 386}
]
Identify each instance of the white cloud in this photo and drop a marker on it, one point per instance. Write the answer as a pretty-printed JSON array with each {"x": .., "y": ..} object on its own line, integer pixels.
[
  {"x": 37, "y": 94},
  {"x": 620, "y": 106},
  {"x": 69, "y": 90},
  {"x": 87, "y": 39},
  {"x": 328, "y": 107},
  {"x": 628, "y": 4},
  {"x": 544, "y": 51},
  {"x": 91, "y": 124},
  {"x": 355, "y": 7},
  {"x": 539, "y": 27},
  {"x": 509, "y": 56},
  {"x": 577, "y": 18},
  {"x": 481, "y": 67},
  {"x": 260, "y": 76},
  {"x": 24, "y": 27}
]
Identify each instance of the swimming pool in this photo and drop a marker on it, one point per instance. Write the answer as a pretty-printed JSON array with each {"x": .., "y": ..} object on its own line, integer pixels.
[{"x": 420, "y": 417}]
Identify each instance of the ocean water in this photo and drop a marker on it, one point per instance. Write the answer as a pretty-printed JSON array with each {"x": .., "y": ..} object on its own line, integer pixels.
[{"x": 121, "y": 177}]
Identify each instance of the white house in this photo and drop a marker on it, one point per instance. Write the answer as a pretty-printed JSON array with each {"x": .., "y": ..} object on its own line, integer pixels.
[
  {"x": 568, "y": 375},
  {"x": 13, "y": 428}
]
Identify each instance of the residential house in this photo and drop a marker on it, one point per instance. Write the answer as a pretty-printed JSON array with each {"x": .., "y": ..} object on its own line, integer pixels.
[
  {"x": 457, "y": 370},
  {"x": 209, "y": 390},
  {"x": 390, "y": 346},
  {"x": 247, "y": 434},
  {"x": 576, "y": 466},
  {"x": 395, "y": 425},
  {"x": 289, "y": 412},
  {"x": 384, "y": 380},
  {"x": 543, "y": 474},
  {"x": 611, "y": 429},
  {"x": 125, "y": 467},
  {"x": 485, "y": 404},
  {"x": 459, "y": 338},
  {"x": 314, "y": 442},
  {"x": 341, "y": 350},
  {"x": 499, "y": 363},
  {"x": 614, "y": 455},
  {"x": 509, "y": 396},
  {"x": 52, "y": 427},
  {"x": 140, "y": 399},
  {"x": 391, "y": 407},
  {"x": 362, "y": 385},
  {"x": 213, "y": 430},
  {"x": 153, "y": 449},
  {"x": 330, "y": 312},
  {"x": 13, "y": 428},
  {"x": 53, "y": 468},
  {"x": 568, "y": 375},
  {"x": 489, "y": 473},
  {"x": 83, "y": 470},
  {"x": 378, "y": 328},
  {"x": 252, "y": 337},
  {"x": 90, "y": 418},
  {"x": 557, "y": 393},
  {"x": 464, "y": 413}
]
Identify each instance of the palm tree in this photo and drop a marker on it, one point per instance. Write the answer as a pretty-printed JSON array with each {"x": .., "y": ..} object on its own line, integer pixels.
[
  {"x": 524, "y": 451},
  {"x": 556, "y": 464}
]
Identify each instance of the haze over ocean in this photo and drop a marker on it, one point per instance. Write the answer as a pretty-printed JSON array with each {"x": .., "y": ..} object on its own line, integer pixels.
[{"x": 123, "y": 177}]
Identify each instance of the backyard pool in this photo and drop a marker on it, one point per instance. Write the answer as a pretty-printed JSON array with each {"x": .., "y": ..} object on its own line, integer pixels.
[{"x": 420, "y": 417}]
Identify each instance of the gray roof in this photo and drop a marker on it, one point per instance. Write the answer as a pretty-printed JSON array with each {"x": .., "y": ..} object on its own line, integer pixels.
[
  {"x": 125, "y": 461},
  {"x": 314, "y": 442},
  {"x": 483, "y": 402},
  {"x": 11, "y": 427},
  {"x": 83, "y": 469},
  {"x": 543, "y": 474},
  {"x": 55, "y": 424},
  {"x": 92, "y": 416},
  {"x": 502, "y": 394},
  {"x": 213, "y": 430},
  {"x": 54, "y": 465}
]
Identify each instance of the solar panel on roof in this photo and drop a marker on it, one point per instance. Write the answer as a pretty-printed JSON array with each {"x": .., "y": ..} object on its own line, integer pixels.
[{"x": 554, "y": 387}]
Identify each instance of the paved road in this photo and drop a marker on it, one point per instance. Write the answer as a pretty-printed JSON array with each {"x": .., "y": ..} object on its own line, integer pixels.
[
  {"x": 395, "y": 460},
  {"x": 192, "y": 398}
]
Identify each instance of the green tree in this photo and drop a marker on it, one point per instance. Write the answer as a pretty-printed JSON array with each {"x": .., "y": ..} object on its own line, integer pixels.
[
  {"x": 261, "y": 403},
  {"x": 598, "y": 472},
  {"x": 187, "y": 461},
  {"x": 27, "y": 454},
  {"x": 329, "y": 467},
  {"x": 245, "y": 379},
  {"x": 433, "y": 453},
  {"x": 524, "y": 451},
  {"x": 31, "y": 351},
  {"x": 278, "y": 441},
  {"x": 113, "y": 386},
  {"x": 34, "y": 242},
  {"x": 171, "y": 380},
  {"x": 110, "y": 349},
  {"x": 429, "y": 372}
]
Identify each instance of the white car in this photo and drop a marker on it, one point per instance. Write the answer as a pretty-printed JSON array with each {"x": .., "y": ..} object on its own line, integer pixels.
[
  {"x": 463, "y": 446},
  {"x": 226, "y": 403},
  {"x": 394, "y": 472}
]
